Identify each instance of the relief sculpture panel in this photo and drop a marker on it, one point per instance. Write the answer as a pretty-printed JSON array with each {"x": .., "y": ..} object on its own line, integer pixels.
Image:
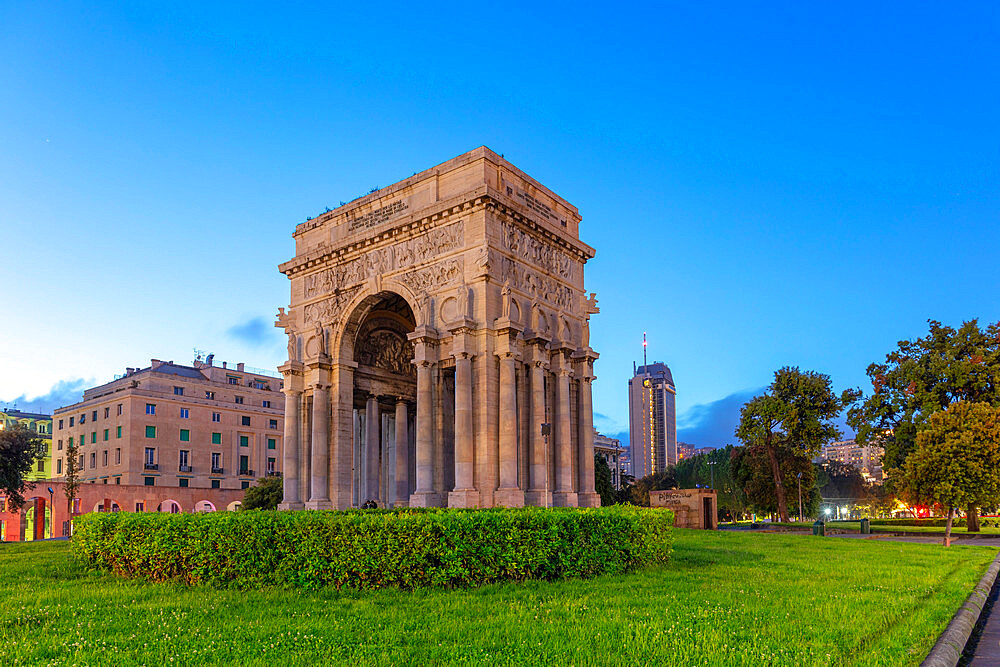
[
  {"x": 537, "y": 252},
  {"x": 536, "y": 285}
]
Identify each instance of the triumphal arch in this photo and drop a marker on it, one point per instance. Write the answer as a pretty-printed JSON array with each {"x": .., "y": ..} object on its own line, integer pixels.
[{"x": 438, "y": 346}]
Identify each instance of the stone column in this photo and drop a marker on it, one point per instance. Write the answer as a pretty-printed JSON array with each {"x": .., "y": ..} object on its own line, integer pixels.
[
  {"x": 508, "y": 494},
  {"x": 402, "y": 455},
  {"x": 423, "y": 496},
  {"x": 373, "y": 430},
  {"x": 342, "y": 446},
  {"x": 587, "y": 495},
  {"x": 464, "y": 494},
  {"x": 539, "y": 493},
  {"x": 319, "y": 494},
  {"x": 563, "y": 495},
  {"x": 290, "y": 452}
]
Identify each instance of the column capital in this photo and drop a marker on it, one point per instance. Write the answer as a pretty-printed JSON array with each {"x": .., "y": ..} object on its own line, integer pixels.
[
  {"x": 291, "y": 368},
  {"x": 321, "y": 386},
  {"x": 400, "y": 399},
  {"x": 291, "y": 391}
]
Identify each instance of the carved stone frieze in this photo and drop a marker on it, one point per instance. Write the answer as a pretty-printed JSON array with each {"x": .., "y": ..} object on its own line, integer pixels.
[
  {"x": 536, "y": 285},
  {"x": 381, "y": 261},
  {"x": 382, "y": 343},
  {"x": 431, "y": 278},
  {"x": 537, "y": 252},
  {"x": 329, "y": 309}
]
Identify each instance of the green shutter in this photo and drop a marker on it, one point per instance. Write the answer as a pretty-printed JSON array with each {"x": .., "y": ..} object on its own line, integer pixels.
[
  {"x": 119, "y": 432},
  {"x": 216, "y": 438},
  {"x": 185, "y": 435},
  {"x": 244, "y": 441},
  {"x": 93, "y": 437},
  {"x": 271, "y": 444},
  {"x": 105, "y": 435},
  {"x": 150, "y": 431}
]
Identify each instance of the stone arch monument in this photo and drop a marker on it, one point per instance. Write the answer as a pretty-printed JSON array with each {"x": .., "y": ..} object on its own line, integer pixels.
[{"x": 435, "y": 326}]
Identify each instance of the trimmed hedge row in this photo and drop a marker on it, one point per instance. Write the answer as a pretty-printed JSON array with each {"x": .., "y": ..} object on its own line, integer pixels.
[{"x": 374, "y": 549}]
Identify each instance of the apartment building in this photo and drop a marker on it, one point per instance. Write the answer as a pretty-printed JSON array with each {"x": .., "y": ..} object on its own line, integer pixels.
[{"x": 200, "y": 426}]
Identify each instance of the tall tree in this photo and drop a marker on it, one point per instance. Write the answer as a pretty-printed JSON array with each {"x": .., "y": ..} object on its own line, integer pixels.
[
  {"x": 956, "y": 461},
  {"x": 71, "y": 480},
  {"x": 921, "y": 377},
  {"x": 602, "y": 481},
  {"x": 841, "y": 480},
  {"x": 713, "y": 469},
  {"x": 658, "y": 481},
  {"x": 265, "y": 495},
  {"x": 19, "y": 449},
  {"x": 752, "y": 471},
  {"x": 796, "y": 413}
]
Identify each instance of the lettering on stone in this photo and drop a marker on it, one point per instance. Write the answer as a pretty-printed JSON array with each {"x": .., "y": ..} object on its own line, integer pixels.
[
  {"x": 536, "y": 205},
  {"x": 377, "y": 216},
  {"x": 381, "y": 261},
  {"x": 536, "y": 285},
  {"x": 534, "y": 251}
]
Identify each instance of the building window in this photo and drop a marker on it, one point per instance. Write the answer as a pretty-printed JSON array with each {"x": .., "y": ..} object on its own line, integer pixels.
[
  {"x": 71, "y": 421},
  {"x": 150, "y": 408},
  {"x": 216, "y": 438},
  {"x": 80, "y": 463},
  {"x": 183, "y": 482},
  {"x": 244, "y": 441},
  {"x": 233, "y": 380},
  {"x": 185, "y": 435},
  {"x": 245, "y": 420},
  {"x": 140, "y": 506},
  {"x": 59, "y": 445},
  {"x": 59, "y": 467},
  {"x": 106, "y": 431},
  {"x": 93, "y": 459},
  {"x": 93, "y": 437},
  {"x": 185, "y": 413},
  {"x": 118, "y": 480},
  {"x": 150, "y": 455},
  {"x": 148, "y": 481},
  {"x": 107, "y": 412},
  {"x": 41, "y": 465},
  {"x": 118, "y": 432},
  {"x": 266, "y": 404},
  {"x": 216, "y": 461},
  {"x": 183, "y": 458},
  {"x": 118, "y": 455},
  {"x": 83, "y": 418},
  {"x": 216, "y": 484},
  {"x": 104, "y": 481},
  {"x": 150, "y": 431},
  {"x": 217, "y": 416},
  {"x": 210, "y": 395},
  {"x": 71, "y": 442},
  {"x": 272, "y": 423},
  {"x": 60, "y": 424},
  {"x": 272, "y": 443},
  {"x": 104, "y": 458},
  {"x": 239, "y": 400},
  {"x": 120, "y": 408},
  {"x": 244, "y": 465},
  {"x": 270, "y": 465},
  {"x": 244, "y": 485},
  {"x": 93, "y": 416},
  {"x": 178, "y": 391}
]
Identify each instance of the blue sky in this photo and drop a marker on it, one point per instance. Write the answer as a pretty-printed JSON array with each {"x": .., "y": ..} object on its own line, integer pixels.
[{"x": 764, "y": 184}]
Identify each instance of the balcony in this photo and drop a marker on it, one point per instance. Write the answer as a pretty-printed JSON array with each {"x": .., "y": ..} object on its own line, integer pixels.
[
  {"x": 274, "y": 473},
  {"x": 217, "y": 471},
  {"x": 151, "y": 466},
  {"x": 246, "y": 473},
  {"x": 184, "y": 468}
]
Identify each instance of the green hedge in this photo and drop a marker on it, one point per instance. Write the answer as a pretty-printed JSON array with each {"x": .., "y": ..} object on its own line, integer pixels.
[{"x": 374, "y": 549}]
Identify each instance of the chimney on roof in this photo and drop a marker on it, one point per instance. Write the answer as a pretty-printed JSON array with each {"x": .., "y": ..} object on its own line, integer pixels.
[
  {"x": 209, "y": 359},
  {"x": 223, "y": 364},
  {"x": 239, "y": 366}
]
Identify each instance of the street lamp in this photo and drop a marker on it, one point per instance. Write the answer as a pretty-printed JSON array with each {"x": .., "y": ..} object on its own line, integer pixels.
[
  {"x": 712, "y": 471},
  {"x": 52, "y": 513},
  {"x": 800, "y": 496}
]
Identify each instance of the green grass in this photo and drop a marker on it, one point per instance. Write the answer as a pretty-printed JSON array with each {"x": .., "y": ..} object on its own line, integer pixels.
[
  {"x": 725, "y": 599},
  {"x": 934, "y": 530}
]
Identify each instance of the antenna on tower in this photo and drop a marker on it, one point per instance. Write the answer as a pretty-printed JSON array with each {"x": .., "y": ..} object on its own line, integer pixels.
[{"x": 644, "y": 363}]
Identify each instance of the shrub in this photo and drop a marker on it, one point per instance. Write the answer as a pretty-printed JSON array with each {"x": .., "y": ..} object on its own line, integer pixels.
[{"x": 374, "y": 549}]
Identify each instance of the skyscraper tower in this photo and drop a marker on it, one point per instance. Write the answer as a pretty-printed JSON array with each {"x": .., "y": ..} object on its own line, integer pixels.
[{"x": 652, "y": 418}]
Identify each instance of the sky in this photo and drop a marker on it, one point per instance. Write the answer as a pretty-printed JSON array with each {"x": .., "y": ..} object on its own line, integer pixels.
[{"x": 766, "y": 184}]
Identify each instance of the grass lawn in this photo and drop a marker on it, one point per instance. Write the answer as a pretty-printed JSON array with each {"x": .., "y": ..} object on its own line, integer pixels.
[{"x": 726, "y": 598}]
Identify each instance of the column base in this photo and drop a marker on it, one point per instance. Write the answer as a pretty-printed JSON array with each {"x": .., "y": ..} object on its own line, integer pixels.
[
  {"x": 400, "y": 503},
  {"x": 564, "y": 499},
  {"x": 319, "y": 505},
  {"x": 291, "y": 506},
  {"x": 425, "y": 499},
  {"x": 538, "y": 498},
  {"x": 588, "y": 500},
  {"x": 463, "y": 498},
  {"x": 508, "y": 498}
]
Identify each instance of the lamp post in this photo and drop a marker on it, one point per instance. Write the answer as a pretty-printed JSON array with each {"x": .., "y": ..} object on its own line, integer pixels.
[
  {"x": 711, "y": 469},
  {"x": 800, "y": 496}
]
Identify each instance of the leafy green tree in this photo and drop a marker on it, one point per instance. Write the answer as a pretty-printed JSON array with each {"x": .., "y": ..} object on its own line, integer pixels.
[
  {"x": 658, "y": 481},
  {"x": 921, "y": 377},
  {"x": 71, "y": 480},
  {"x": 602, "y": 481},
  {"x": 713, "y": 469},
  {"x": 957, "y": 460},
  {"x": 796, "y": 414},
  {"x": 752, "y": 470},
  {"x": 841, "y": 480},
  {"x": 19, "y": 450},
  {"x": 624, "y": 494},
  {"x": 265, "y": 495}
]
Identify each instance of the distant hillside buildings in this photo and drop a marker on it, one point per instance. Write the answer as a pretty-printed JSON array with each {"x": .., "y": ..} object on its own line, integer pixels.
[
  {"x": 39, "y": 424},
  {"x": 652, "y": 419},
  {"x": 866, "y": 458}
]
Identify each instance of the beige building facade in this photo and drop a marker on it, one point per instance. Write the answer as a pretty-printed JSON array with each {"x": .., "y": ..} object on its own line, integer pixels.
[
  {"x": 438, "y": 346},
  {"x": 198, "y": 426}
]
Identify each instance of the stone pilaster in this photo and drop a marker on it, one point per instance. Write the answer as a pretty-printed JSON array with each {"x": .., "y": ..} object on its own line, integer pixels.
[
  {"x": 319, "y": 485},
  {"x": 464, "y": 494},
  {"x": 290, "y": 450},
  {"x": 402, "y": 455},
  {"x": 425, "y": 358},
  {"x": 585, "y": 467},
  {"x": 373, "y": 429},
  {"x": 508, "y": 493},
  {"x": 539, "y": 491},
  {"x": 563, "y": 496}
]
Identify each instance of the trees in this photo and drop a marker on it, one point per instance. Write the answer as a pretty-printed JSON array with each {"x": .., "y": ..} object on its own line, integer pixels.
[
  {"x": 714, "y": 469},
  {"x": 71, "y": 479},
  {"x": 752, "y": 471},
  {"x": 602, "y": 481},
  {"x": 922, "y": 377},
  {"x": 956, "y": 461},
  {"x": 265, "y": 496},
  {"x": 841, "y": 480},
  {"x": 19, "y": 450},
  {"x": 658, "y": 481},
  {"x": 794, "y": 414}
]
